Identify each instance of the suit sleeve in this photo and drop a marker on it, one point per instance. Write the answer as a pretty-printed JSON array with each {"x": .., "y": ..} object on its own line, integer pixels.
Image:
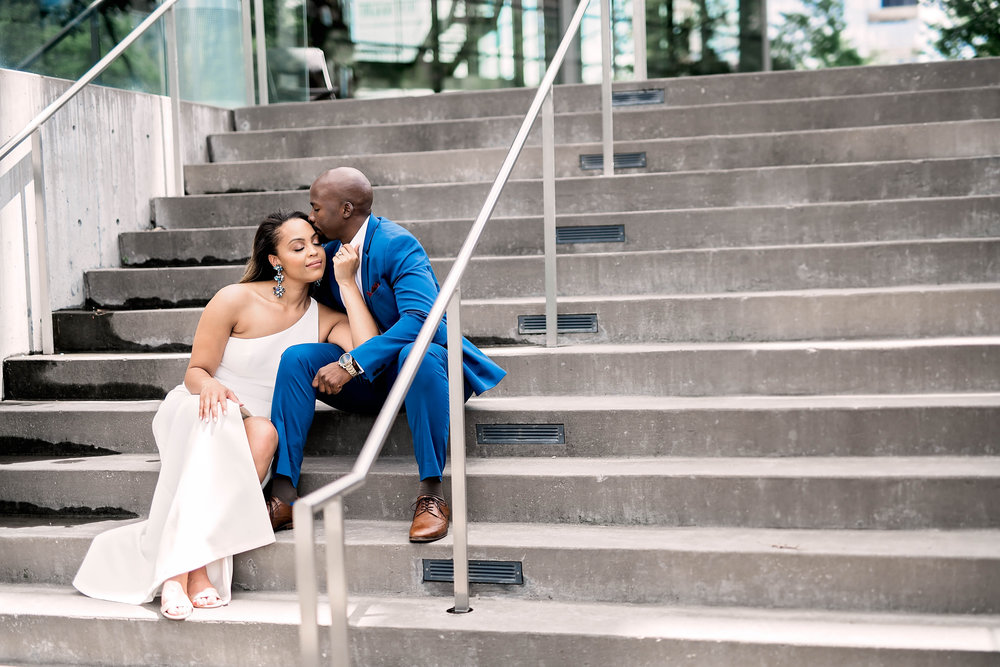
[{"x": 415, "y": 288}]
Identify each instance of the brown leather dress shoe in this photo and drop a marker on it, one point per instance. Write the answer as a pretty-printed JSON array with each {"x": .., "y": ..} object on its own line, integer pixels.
[
  {"x": 430, "y": 519},
  {"x": 280, "y": 514}
]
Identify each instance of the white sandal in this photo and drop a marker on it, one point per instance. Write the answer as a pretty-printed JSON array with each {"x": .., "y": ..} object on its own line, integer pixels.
[
  {"x": 174, "y": 604},
  {"x": 210, "y": 593}
]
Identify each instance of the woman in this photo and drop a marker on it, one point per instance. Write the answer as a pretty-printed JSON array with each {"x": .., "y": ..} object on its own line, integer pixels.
[{"x": 212, "y": 432}]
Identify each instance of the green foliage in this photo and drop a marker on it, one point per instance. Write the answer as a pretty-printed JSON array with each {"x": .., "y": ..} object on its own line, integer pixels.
[
  {"x": 24, "y": 27},
  {"x": 669, "y": 36},
  {"x": 814, "y": 39},
  {"x": 972, "y": 29}
]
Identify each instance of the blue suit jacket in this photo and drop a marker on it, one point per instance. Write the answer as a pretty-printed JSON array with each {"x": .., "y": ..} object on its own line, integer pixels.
[{"x": 399, "y": 288}]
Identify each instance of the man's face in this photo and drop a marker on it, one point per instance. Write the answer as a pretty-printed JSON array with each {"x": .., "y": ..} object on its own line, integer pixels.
[{"x": 326, "y": 211}]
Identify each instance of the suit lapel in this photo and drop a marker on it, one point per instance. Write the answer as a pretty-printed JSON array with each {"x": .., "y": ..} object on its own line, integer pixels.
[{"x": 368, "y": 272}]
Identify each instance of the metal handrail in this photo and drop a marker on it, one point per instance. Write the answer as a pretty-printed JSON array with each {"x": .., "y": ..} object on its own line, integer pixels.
[
  {"x": 58, "y": 37},
  {"x": 330, "y": 497},
  {"x": 87, "y": 78}
]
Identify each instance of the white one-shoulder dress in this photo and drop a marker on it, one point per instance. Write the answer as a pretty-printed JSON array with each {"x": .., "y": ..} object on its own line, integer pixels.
[{"x": 208, "y": 503}]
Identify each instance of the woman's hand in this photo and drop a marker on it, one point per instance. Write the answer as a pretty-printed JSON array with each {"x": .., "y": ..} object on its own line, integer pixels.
[
  {"x": 213, "y": 400},
  {"x": 345, "y": 264}
]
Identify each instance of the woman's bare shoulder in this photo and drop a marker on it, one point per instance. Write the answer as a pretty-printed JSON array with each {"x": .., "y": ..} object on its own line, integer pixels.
[
  {"x": 237, "y": 292},
  {"x": 232, "y": 299}
]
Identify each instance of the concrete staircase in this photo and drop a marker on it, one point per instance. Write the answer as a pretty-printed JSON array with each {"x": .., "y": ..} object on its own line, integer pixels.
[{"x": 782, "y": 441}]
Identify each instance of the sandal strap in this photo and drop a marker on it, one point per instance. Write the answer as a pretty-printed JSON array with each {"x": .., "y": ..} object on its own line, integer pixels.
[{"x": 172, "y": 598}]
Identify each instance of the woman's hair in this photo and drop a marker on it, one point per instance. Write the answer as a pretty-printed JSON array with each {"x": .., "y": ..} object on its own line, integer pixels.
[{"x": 265, "y": 242}]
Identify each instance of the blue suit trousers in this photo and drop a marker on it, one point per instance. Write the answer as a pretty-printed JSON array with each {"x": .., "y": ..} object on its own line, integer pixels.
[{"x": 426, "y": 403}]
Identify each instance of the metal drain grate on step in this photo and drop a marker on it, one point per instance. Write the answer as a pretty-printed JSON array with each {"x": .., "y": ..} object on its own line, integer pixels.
[
  {"x": 591, "y": 234},
  {"x": 521, "y": 434},
  {"x": 480, "y": 571},
  {"x": 568, "y": 323},
  {"x": 632, "y": 98},
  {"x": 621, "y": 160}
]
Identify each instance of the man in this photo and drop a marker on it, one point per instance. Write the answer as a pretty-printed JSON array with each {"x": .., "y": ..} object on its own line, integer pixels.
[{"x": 399, "y": 289}]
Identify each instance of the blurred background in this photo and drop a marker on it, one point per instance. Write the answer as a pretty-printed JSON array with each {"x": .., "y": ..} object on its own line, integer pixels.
[{"x": 321, "y": 49}]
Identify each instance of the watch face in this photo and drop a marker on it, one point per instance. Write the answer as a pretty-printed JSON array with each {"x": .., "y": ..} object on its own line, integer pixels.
[{"x": 346, "y": 359}]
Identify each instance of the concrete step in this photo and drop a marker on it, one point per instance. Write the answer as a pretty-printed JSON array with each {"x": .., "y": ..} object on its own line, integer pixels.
[
  {"x": 903, "y": 312},
  {"x": 727, "y": 426},
  {"x": 681, "y": 91},
  {"x": 761, "y": 316},
  {"x": 951, "y": 571},
  {"x": 789, "y": 368},
  {"x": 652, "y": 272},
  {"x": 632, "y": 124},
  {"x": 892, "y": 142},
  {"x": 931, "y": 365},
  {"x": 849, "y": 222},
  {"x": 892, "y": 493},
  {"x": 770, "y": 186},
  {"x": 57, "y": 624}
]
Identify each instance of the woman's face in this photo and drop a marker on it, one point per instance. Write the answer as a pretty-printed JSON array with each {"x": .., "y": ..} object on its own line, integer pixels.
[{"x": 299, "y": 251}]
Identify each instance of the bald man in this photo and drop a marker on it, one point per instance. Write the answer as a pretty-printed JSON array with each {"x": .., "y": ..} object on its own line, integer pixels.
[{"x": 399, "y": 289}]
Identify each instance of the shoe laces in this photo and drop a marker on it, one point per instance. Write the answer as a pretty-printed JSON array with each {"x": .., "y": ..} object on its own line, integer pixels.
[
  {"x": 430, "y": 504},
  {"x": 274, "y": 504}
]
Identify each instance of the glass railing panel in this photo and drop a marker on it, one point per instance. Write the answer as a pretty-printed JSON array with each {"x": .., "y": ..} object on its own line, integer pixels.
[
  {"x": 210, "y": 52},
  {"x": 379, "y": 47},
  {"x": 64, "y": 38},
  {"x": 361, "y": 48},
  {"x": 295, "y": 74}
]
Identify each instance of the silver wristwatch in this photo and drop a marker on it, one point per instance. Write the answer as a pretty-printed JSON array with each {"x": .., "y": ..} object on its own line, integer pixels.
[{"x": 348, "y": 364}]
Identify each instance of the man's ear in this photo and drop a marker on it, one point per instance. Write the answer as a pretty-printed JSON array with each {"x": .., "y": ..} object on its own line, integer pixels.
[{"x": 348, "y": 209}]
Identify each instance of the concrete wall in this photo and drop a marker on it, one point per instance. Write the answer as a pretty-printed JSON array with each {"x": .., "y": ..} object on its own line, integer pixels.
[{"x": 103, "y": 161}]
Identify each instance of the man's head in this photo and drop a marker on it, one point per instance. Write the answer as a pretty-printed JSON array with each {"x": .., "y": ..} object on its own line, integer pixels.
[{"x": 341, "y": 200}]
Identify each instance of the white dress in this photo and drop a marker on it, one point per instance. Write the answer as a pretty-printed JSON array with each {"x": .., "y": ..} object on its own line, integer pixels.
[{"x": 208, "y": 503}]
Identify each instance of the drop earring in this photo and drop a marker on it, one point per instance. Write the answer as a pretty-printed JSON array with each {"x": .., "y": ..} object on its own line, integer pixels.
[{"x": 279, "y": 289}]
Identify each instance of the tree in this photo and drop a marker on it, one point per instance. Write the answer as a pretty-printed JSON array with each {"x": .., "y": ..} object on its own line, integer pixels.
[
  {"x": 972, "y": 29},
  {"x": 815, "y": 39}
]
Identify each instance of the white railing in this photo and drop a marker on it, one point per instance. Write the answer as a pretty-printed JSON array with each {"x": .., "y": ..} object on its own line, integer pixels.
[{"x": 329, "y": 499}]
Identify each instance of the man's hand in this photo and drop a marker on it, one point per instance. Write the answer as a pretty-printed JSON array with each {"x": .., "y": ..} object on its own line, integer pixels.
[{"x": 331, "y": 378}]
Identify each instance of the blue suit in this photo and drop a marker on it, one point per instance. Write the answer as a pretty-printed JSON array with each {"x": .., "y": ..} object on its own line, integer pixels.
[{"x": 399, "y": 289}]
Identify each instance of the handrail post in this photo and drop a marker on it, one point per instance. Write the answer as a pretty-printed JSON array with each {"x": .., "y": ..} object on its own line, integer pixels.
[
  {"x": 258, "y": 15},
  {"x": 448, "y": 297},
  {"x": 607, "y": 128},
  {"x": 247, "y": 44},
  {"x": 549, "y": 223},
  {"x": 456, "y": 409},
  {"x": 765, "y": 41},
  {"x": 41, "y": 268},
  {"x": 173, "y": 82},
  {"x": 336, "y": 582},
  {"x": 305, "y": 584},
  {"x": 639, "y": 38}
]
